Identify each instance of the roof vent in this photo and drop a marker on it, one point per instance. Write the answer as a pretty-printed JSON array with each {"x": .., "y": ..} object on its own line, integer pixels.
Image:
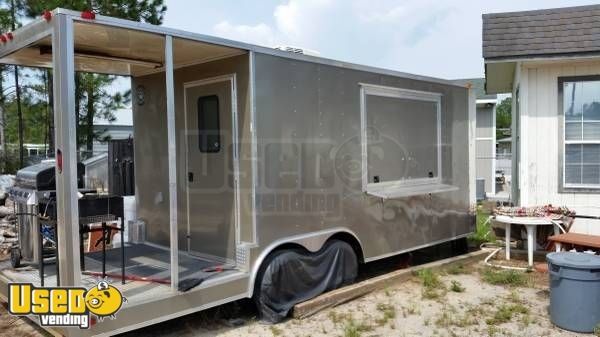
[{"x": 298, "y": 50}]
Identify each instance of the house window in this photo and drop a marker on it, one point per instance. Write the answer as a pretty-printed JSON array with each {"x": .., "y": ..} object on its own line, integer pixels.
[
  {"x": 402, "y": 132},
  {"x": 208, "y": 124},
  {"x": 581, "y": 108}
]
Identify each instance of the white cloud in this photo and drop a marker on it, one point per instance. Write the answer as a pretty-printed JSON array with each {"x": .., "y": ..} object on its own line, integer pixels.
[
  {"x": 260, "y": 34},
  {"x": 351, "y": 30},
  {"x": 297, "y": 18},
  {"x": 440, "y": 38},
  {"x": 380, "y": 11}
]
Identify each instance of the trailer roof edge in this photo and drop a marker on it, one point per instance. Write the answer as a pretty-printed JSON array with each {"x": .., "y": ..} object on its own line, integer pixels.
[{"x": 150, "y": 28}]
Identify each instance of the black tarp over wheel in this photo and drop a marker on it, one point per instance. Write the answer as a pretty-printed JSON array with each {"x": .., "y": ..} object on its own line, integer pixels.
[{"x": 291, "y": 276}]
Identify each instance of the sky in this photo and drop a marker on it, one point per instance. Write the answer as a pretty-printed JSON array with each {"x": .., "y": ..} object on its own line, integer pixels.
[{"x": 439, "y": 38}]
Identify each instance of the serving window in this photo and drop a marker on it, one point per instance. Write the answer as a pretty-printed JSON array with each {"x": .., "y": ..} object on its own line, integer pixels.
[{"x": 401, "y": 139}]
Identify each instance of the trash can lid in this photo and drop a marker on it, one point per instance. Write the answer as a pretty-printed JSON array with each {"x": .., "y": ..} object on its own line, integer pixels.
[{"x": 574, "y": 260}]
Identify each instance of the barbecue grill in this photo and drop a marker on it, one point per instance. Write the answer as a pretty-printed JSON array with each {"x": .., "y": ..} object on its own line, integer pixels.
[
  {"x": 34, "y": 196},
  {"x": 30, "y": 182}
]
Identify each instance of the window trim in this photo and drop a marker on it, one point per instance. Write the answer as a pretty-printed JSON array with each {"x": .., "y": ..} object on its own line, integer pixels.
[
  {"x": 208, "y": 148},
  {"x": 565, "y": 187},
  {"x": 394, "y": 92}
]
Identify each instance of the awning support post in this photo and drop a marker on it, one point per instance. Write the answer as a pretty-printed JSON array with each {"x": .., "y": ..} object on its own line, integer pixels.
[
  {"x": 172, "y": 156},
  {"x": 67, "y": 208}
]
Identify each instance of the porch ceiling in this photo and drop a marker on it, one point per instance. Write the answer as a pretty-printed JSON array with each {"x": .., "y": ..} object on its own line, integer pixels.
[{"x": 121, "y": 51}]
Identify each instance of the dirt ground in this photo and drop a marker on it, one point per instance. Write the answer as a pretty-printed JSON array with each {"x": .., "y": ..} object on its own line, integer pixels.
[
  {"x": 462, "y": 304},
  {"x": 456, "y": 301}
]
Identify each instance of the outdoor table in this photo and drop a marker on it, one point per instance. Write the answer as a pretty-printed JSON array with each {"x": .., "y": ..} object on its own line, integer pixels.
[
  {"x": 575, "y": 239},
  {"x": 530, "y": 224}
]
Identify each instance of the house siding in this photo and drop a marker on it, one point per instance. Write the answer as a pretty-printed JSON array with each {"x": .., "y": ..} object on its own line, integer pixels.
[{"x": 539, "y": 145}]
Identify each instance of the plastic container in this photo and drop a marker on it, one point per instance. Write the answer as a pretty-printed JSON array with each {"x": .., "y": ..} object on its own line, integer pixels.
[
  {"x": 129, "y": 212},
  {"x": 574, "y": 290}
]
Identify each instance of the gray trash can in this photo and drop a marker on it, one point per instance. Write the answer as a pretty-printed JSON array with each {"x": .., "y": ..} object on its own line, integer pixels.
[{"x": 574, "y": 290}]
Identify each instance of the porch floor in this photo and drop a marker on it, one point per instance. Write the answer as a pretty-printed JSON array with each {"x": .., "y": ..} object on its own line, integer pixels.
[{"x": 141, "y": 261}]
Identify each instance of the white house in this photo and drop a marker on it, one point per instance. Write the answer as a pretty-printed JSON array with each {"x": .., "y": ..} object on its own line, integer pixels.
[{"x": 550, "y": 61}]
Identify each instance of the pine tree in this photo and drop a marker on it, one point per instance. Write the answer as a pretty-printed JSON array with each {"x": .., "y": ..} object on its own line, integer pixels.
[
  {"x": 96, "y": 102},
  {"x": 151, "y": 11},
  {"x": 92, "y": 99},
  {"x": 5, "y": 23}
]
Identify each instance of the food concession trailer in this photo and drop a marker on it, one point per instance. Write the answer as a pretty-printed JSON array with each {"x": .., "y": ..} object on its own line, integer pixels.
[{"x": 249, "y": 160}]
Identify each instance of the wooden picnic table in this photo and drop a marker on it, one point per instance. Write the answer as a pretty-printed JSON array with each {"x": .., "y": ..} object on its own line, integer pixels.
[{"x": 575, "y": 239}]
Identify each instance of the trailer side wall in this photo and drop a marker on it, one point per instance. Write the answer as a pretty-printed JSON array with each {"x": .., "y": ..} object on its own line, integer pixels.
[{"x": 309, "y": 143}]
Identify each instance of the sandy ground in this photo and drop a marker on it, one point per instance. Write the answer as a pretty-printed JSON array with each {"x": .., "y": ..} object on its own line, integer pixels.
[
  {"x": 405, "y": 309},
  {"x": 18, "y": 326},
  {"x": 481, "y": 309}
]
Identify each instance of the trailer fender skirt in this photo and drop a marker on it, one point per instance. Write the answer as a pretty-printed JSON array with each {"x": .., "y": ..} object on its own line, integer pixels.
[{"x": 292, "y": 276}]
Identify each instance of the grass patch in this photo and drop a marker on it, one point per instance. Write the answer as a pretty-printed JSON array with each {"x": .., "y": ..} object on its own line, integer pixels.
[
  {"x": 506, "y": 312},
  {"x": 275, "y": 330},
  {"x": 504, "y": 277},
  {"x": 354, "y": 329},
  {"x": 412, "y": 309},
  {"x": 444, "y": 320},
  {"x": 429, "y": 278},
  {"x": 483, "y": 228},
  {"x": 475, "y": 310},
  {"x": 450, "y": 317},
  {"x": 458, "y": 269},
  {"x": 493, "y": 331},
  {"x": 432, "y": 293},
  {"x": 336, "y": 318},
  {"x": 388, "y": 311},
  {"x": 433, "y": 288},
  {"x": 456, "y": 287},
  {"x": 526, "y": 320}
]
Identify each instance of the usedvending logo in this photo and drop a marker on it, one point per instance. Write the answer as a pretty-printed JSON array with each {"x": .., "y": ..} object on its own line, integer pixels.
[{"x": 65, "y": 306}]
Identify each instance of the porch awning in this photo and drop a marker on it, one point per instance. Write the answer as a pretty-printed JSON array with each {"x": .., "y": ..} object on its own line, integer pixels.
[{"x": 102, "y": 48}]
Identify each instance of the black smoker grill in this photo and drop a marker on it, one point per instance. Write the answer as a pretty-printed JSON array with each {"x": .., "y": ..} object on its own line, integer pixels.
[{"x": 35, "y": 206}]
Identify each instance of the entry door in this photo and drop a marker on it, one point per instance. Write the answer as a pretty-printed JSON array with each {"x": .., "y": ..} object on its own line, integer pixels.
[{"x": 211, "y": 202}]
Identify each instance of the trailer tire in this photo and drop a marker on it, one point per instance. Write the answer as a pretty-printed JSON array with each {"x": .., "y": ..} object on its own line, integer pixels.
[{"x": 292, "y": 275}]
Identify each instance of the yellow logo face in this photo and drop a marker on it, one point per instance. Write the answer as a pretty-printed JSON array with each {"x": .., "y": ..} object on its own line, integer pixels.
[
  {"x": 63, "y": 306},
  {"x": 103, "y": 300}
]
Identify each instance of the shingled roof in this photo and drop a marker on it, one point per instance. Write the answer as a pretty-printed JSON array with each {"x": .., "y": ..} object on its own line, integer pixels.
[{"x": 541, "y": 33}]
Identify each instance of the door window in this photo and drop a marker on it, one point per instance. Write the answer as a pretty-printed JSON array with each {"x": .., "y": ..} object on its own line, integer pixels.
[{"x": 208, "y": 124}]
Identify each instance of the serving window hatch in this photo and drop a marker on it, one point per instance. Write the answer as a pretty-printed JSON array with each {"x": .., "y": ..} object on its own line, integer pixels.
[{"x": 401, "y": 142}]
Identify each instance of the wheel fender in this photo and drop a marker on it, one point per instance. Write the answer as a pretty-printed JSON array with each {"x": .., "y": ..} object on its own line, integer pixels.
[{"x": 311, "y": 241}]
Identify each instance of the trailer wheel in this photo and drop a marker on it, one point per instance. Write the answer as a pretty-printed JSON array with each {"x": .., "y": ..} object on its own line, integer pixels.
[
  {"x": 293, "y": 275},
  {"x": 15, "y": 257}
]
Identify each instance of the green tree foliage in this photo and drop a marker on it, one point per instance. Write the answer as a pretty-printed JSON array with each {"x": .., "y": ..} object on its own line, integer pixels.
[
  {"x": 503, "y": 117},
  {"x": 95, "y": 101},
  {"x": 34, "y": 118},
  {"x": 151, "y": 11}
]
